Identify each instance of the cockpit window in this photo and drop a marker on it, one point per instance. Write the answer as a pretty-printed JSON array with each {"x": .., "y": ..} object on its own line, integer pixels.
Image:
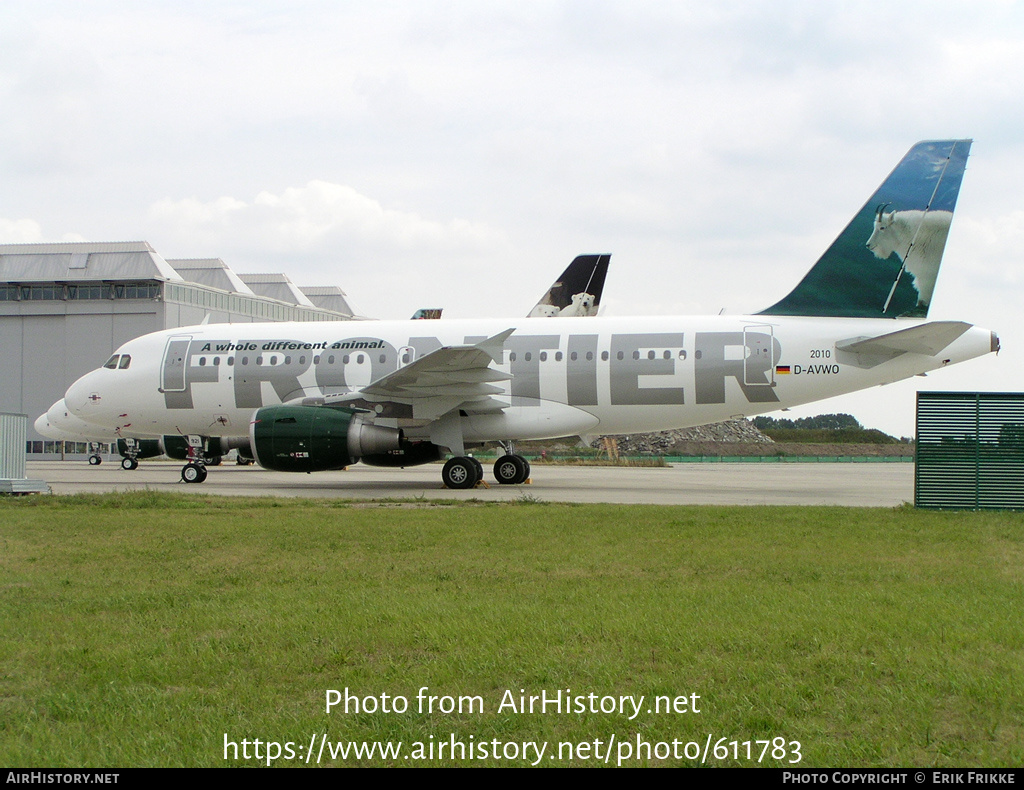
[
  {"x": 112, "y": 362},
  {"x": 126, "y": 360}
]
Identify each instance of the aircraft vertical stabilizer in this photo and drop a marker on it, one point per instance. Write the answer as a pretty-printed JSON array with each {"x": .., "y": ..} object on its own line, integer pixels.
[
  {"x": 885, "y": 263},
  {"x": 577, "y": 292}
]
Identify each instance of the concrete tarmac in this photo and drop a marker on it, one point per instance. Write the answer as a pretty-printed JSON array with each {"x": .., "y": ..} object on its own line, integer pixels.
[{"x": 846, "y": 484}]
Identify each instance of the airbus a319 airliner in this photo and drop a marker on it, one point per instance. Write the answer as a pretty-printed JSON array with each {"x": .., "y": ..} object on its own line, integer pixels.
[{"x": 311, "y": 397}]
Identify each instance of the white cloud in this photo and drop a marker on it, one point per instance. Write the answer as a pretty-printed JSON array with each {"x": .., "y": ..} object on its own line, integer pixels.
[
  {"x": 20, "y": 231},
  {"x": 322, "y": 215}
]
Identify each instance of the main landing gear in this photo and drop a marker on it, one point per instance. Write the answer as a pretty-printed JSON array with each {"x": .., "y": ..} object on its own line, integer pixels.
[
  {"x": 511, "y": 469},
  {"x": 462, "y": 472},
  {"x": 465, "y": 471}
]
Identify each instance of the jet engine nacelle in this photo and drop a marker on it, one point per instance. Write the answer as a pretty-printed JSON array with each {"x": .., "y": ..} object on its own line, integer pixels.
[
  {"x": 408, "y": 454},
  {"x": 316, "y": 438},
  {"x": 143, "y": 448},
  {"x": 176, "y": 447}
]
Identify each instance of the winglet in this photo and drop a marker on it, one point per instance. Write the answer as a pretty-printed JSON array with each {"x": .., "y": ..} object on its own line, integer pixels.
[{"x": 885, "y": 263}]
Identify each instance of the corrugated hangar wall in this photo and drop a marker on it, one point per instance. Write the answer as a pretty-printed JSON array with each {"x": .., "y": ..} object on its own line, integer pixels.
[{"x": 65, "y": 308}]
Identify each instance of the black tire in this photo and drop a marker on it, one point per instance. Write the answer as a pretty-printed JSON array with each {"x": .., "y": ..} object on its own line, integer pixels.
[
  {"x": 95, "y": 460},
  {"x": 479, "y": 468},
  {"x": 129, "y": 464},
  {"x": 511, "y": 469},
  {"x": 460, "y": 473},
  {"x": 193, "y": 472},
  {"x": 212, "y": 460}
]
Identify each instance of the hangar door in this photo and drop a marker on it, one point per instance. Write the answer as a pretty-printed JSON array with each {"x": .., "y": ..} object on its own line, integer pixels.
[{"x": 970, "y": 450}]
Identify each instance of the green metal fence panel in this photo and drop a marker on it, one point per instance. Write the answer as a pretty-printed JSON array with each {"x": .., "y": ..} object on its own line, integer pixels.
[{"x": 970, "y": 450}]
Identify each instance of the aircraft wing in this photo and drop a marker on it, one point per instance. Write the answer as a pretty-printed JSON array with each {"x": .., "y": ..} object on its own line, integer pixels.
[
  {"x": 452, "y": 377},
  {"x": 929, "y": 339}
]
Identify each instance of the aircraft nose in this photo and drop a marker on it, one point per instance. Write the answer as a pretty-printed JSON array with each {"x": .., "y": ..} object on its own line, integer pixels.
[
  {"x": 84, "y": 398},
  {"x": 42, "y": 425}
]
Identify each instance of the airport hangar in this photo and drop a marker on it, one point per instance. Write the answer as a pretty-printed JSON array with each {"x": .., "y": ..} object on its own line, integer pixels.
[{"x": 65, "y": 308}]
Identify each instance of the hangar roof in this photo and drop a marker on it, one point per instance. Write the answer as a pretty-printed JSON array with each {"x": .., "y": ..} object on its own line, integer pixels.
[
  {"x": 70, "y": 262},
  {"x": 328, "y": 297},
  {"x": 276, "y": 286},
  {"x": 212, "y": 272},
  {"x": 65, "y": 262}
]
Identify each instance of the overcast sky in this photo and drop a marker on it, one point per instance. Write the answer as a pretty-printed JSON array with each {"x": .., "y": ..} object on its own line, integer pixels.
[{"x": 459, "y": 154}]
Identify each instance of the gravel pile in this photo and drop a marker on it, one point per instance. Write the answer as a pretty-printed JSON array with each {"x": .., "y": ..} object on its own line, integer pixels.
[{"x": 731, "y": 432}]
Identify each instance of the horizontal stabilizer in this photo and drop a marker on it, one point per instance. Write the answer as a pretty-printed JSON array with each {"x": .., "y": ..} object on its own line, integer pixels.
[{"x": 928, "y": 339}]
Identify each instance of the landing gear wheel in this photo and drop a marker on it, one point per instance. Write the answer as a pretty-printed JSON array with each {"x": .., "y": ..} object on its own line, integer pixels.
[
  {"x": 461, "y": 472},
  {"x": 511, "y": 470},
  {"x": 129, "y": 464},
  {"x": 211, "y": 460},
  {"x": 193, "y": 473},
  {"x": 95, "y": 460},
  {"x": 479, "y": 468}
]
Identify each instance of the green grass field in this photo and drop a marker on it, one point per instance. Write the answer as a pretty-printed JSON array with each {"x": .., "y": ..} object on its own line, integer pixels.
[{"x": 146, "y": 629}]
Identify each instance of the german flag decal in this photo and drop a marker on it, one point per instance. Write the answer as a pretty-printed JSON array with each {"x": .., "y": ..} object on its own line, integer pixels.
[{"x": 781, "y": 369}]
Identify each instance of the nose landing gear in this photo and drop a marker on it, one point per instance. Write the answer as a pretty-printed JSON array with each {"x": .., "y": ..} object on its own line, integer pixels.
[{"x": 195, "y": 470}]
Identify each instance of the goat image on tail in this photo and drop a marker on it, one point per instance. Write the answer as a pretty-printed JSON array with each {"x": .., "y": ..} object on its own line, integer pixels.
[
  {"x": 886, "y": 261},
  {"x": 918, "y": 239}
]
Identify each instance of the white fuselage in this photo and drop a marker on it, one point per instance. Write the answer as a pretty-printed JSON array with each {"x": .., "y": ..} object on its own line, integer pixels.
[{"x": 568, "y": 376}]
